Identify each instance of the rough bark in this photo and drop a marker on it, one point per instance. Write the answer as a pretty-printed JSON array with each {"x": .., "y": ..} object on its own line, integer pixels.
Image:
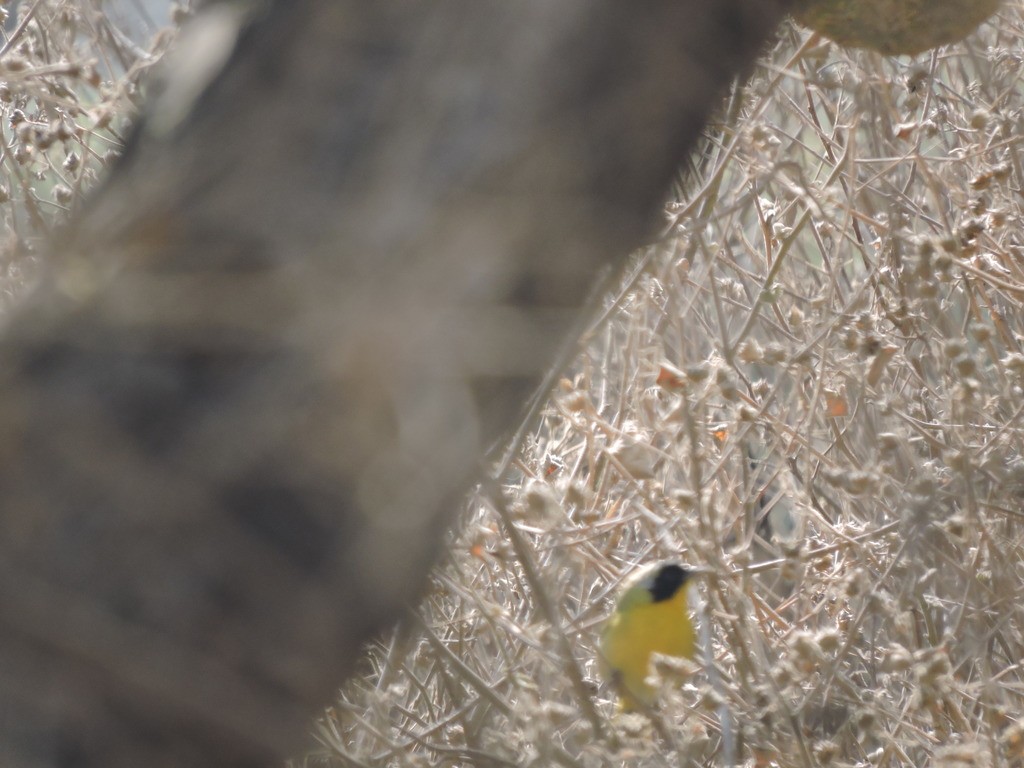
[{"x": 239, "y": 413}]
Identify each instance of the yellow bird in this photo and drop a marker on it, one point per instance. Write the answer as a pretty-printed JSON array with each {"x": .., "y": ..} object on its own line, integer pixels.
[{"x": 651, "y": 616}]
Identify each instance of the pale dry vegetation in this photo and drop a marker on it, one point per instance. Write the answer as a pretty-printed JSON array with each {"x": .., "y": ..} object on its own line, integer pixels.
[
  {"x": 813, "y": 384},
  {"x": 830, "y": 336},
  {"x": 72, "y": 72}
]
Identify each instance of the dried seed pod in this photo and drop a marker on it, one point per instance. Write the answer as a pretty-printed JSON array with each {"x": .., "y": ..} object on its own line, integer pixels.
[{"x": 895, "y": 27}]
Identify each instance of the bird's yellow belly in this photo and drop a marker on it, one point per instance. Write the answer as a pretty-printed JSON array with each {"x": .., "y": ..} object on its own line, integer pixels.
[{"x": 632, "y": 638}]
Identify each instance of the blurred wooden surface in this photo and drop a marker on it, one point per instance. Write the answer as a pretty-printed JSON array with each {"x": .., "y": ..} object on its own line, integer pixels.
[{"x": 240, "y": 412}]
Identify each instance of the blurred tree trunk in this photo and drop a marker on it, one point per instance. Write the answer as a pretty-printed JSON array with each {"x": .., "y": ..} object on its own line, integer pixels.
[{"x": 240, "y": 412}]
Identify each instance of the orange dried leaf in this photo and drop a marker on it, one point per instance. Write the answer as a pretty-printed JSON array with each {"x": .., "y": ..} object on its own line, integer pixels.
[
  {"x": 836, "y": 405},
  {"x": 671, "y": 378}
]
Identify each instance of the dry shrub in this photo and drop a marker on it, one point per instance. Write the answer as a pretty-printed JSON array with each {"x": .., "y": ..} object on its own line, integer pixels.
[
  {"x": 72, "y": 75},
  {"x": 812, "y": 384}
]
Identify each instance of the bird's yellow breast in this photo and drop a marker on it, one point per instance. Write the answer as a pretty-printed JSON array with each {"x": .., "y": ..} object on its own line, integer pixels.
[{"x": 636, "y": 631}]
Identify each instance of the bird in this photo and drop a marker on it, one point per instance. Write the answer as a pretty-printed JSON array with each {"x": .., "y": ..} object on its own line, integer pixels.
[{"x": 651, "y": 616}]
